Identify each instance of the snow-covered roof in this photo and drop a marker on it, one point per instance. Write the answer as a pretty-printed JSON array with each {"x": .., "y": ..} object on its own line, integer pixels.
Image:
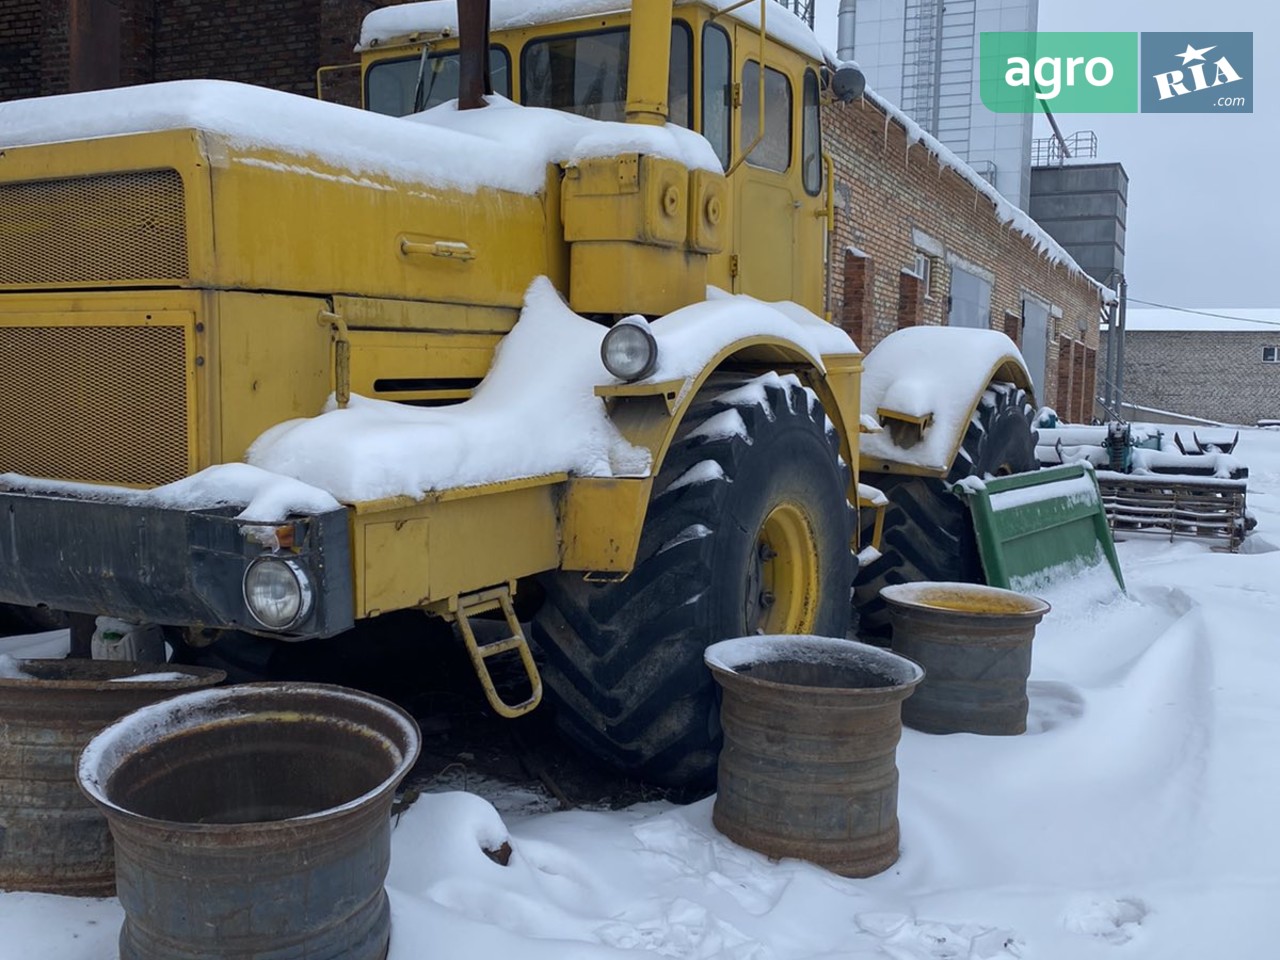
[
  {"x": 442, "y": 149},
  {"x": 1006, "y": 212},
  {"x": 441, "y": 17},
  {"x": 1232, "y": 319}
]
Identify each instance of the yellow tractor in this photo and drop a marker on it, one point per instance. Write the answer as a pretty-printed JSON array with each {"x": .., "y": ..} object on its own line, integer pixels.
[{"x": 190, "y": 273}]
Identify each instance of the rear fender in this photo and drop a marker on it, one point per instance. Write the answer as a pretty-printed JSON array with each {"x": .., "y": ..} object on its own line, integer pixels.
[{"x": 925, "y": 429}]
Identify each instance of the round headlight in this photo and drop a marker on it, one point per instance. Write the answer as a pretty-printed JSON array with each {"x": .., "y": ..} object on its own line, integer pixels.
[
  {"x": 629, "y": 350},
  {"x": 277, "y": 592}
]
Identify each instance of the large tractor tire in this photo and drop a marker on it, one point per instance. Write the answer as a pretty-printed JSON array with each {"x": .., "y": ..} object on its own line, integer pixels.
[
  {"x": 747, "y": 532},
  {"x": 928, "y": 534}
]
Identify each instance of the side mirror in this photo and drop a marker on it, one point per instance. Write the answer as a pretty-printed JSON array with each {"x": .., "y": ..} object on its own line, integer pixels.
[{"x": 848, "y": 83}]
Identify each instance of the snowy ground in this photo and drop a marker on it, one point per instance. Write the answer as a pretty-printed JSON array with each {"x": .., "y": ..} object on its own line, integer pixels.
[{"x": 1136, "y": 818}]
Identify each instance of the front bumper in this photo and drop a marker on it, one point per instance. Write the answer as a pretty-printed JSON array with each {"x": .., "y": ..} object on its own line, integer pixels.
[{"x": 164, "y": 565}]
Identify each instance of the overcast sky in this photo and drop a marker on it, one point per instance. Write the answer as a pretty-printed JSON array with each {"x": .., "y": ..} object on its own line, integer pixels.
[{"x": 1204, "y": 190}]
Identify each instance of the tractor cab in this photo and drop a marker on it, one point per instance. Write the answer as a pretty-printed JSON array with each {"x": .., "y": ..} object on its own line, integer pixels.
[{"x": 753, "y": 93}]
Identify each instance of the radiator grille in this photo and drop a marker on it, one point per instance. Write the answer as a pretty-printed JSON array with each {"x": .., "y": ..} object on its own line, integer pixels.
[
  {"x": 105, "y": 404},
  {"x": 110, "y": 227}
]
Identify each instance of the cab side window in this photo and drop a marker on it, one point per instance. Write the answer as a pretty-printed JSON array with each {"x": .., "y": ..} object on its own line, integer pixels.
[
  {"x": 811, "y": 137},
  {"x": 717, "y": 92},
  {"x": 773, "y": 152}
]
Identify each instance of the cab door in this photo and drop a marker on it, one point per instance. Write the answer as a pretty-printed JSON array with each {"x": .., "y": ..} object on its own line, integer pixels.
[{"x": 778, "y": 233}]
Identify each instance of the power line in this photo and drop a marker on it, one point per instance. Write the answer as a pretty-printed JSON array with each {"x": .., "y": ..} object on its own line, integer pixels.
[{"x": 1203, "y": 313}]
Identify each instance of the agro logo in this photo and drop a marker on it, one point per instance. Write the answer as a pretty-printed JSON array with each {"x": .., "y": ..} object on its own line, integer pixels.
[{"x": 1174, "y": 84}]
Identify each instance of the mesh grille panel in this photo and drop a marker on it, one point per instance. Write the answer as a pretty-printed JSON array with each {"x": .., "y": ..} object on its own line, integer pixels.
[
  {"x": 103, "y": 404},
  {"x": 112, "y": 227}
]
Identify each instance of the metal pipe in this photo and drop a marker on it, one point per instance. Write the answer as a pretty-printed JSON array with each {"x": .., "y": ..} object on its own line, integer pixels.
[
  {"x": 474, "y": 81},
  {"x": 1124, "y": 302},
  {"x": 93, "y": 28},
  {"x": 649, "y": 62},
  {"x": 746, "y": 151},
  {"x": 1057, "y": 133},
  {"x": 846, "y": 27}
]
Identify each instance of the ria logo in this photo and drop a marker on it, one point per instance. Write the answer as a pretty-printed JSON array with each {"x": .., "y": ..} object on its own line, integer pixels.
[
  {"x": 1171, "y": 84},
  {"x": 1211, "y": 73}
]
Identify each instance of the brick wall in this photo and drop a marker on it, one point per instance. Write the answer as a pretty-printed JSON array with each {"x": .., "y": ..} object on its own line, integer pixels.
[
  {"x": 20, "y": 48},
  {"x": 1216, "y": 375},
  {"x": 273, "y": 43},
  {"x": 890, "y": 193}
]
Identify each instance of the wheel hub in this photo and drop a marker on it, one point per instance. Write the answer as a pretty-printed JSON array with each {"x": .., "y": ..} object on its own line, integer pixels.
[{"x": 782, "y": 579}]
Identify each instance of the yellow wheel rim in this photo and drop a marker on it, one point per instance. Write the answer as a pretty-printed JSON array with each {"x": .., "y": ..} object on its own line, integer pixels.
[{"x": 782, "y": 580}]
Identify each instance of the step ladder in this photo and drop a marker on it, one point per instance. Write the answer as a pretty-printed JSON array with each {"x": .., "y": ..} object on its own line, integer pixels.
[{"x": 459, "y": 611}]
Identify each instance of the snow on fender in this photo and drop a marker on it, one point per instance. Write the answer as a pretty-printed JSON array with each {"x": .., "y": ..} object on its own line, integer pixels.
[{"x": 935, "y": 375}]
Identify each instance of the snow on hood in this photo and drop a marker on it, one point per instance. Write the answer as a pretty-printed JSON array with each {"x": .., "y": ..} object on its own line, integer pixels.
[
  {"x": 923, "y": 370},
  {"x": 535, "y": 413},
  {"x": 248, "y": 117},
  {"x": 443, "y": 149},
  {"x": 555, "y": 136},
  {"x": 436, "y": 17}
]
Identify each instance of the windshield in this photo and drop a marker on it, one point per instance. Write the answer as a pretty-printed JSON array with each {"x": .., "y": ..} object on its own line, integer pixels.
[
  {"x": 586, "y": 74},
  {"x": 390, "y": 85}
]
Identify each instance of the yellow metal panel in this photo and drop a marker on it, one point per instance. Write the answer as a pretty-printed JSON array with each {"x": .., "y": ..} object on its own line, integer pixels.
[
  {"x": 394, "y": 574},
  {"x": 328, "y": 230},
  {"x": 478, "y": 542},
  {"x": 633, "y": 278},
  {"x": 452, "y": 543},
  {"x": 766, "y": 244},
  {"x": 274, "y": 362},
  {"x": 628, "y": 197},
  {"x": 396, "y": 365},
  {"x": 601, "y": 520},
  {"x": 377, "y": 314},
  {"x": 708, "y": 211}
]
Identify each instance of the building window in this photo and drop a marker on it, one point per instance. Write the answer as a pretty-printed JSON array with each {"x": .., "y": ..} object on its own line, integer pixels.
[
  {"x": 1271, "y": 354},
  {"x": 970, "y": 299},
  {"x": 924, "y": 270}
]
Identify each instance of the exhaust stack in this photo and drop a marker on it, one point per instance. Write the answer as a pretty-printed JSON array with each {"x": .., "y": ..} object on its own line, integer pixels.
[
  {"x": 649, "y": 62},
  {"x": 474, "y": 79}
]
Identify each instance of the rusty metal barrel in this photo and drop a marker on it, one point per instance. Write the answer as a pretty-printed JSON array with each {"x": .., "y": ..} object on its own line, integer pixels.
[
  {"x": 974, "y": 643},
  {"x": 52, "y": 839},
  {"x": 809, "y": 764},
  {"x": 253, "y": 821}
]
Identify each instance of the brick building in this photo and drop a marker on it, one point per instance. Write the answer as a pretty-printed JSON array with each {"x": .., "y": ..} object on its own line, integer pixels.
[
  {"x": 918, "y": 240},
  {"x": 56, "y": 46},
  {"x": 1180, "y": 366}
]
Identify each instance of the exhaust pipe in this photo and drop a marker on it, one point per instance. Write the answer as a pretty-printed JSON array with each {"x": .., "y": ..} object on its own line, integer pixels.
[
  {"x": 845, "y": 21},
  {"x": 649, "y": 62},
  {"x": 474, "y": 80}
]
